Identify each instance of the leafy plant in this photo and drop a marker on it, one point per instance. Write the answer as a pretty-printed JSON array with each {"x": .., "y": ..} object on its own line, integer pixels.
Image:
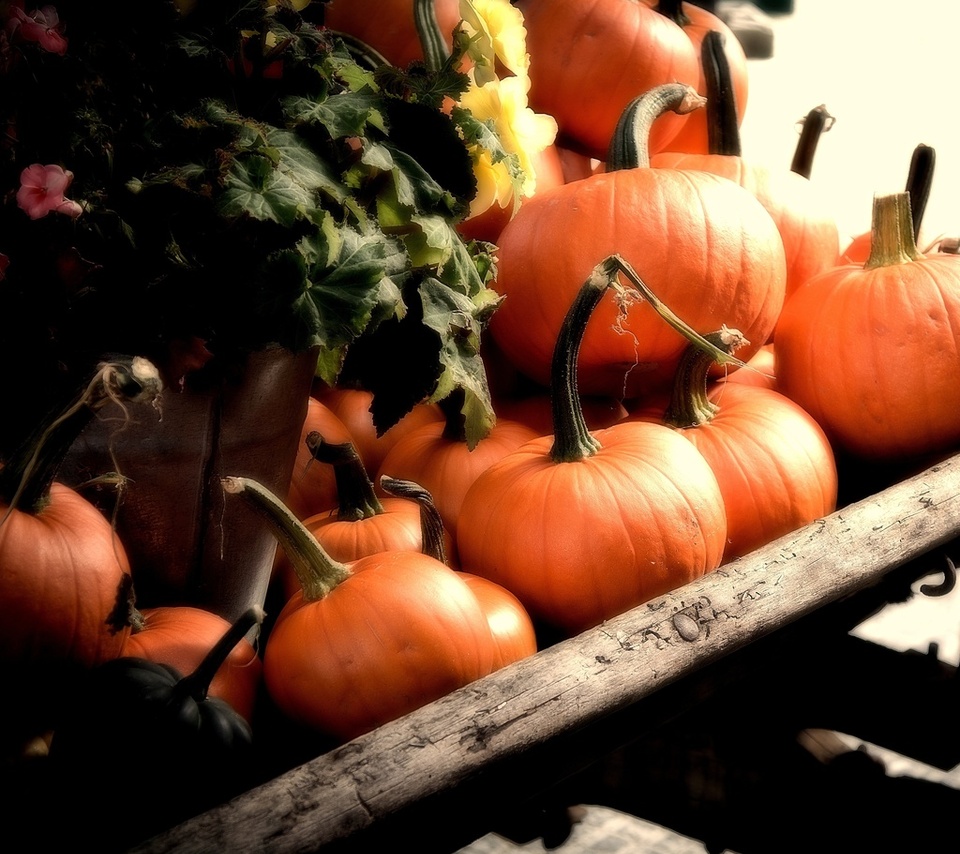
[{"x": 229, "y": 175}]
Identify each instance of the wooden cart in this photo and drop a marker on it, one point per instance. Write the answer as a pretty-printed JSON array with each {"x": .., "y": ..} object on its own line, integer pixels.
[{"x": 685, "y": 710}]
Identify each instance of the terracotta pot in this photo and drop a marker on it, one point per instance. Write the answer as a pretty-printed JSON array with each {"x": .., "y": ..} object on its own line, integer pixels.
[{"x": 188, "y": 543}]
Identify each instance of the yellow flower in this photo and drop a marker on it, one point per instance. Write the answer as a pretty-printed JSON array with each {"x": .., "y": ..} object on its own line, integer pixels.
[
  {"x": 496, "y": 28},
  {"x": 522, "y": 133}
]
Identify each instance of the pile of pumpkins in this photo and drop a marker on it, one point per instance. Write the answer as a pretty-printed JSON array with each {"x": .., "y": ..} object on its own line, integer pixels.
[{"x": 683, "y": 353}]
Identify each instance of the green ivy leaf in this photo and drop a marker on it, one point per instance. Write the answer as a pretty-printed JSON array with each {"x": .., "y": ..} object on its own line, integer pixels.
[
  {"x": 350, "y": 283},
  {"x": 454, "y": 318}
]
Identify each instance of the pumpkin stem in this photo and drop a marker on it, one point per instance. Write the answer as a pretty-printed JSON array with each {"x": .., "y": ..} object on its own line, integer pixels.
[
  {"x": 431, "y": 524},
  {"x": 689, "y": 404},
  {"x": 919, "y": 181},
  {"x": 572, "y": 440},
  {"x": 673, "y": 9},
  {"x": 723, "y": 128},
  {"x": 354, "y": 489},
  {"x": 432, "y": 41},
  {"x": 26, "y": 477},
  {"x": 816, "y": 123},
  {"x": 317, "y": 572},
  {"x": 196, "y": 684},
  {"x": 892, "y": 241},
  {"x": 629, "y": 146}
]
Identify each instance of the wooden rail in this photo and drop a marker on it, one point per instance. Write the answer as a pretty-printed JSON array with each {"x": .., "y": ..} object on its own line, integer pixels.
[{"x": 455, "y": 741}]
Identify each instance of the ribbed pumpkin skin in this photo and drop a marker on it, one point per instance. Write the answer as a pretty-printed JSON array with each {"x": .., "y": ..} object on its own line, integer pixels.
[
  {"x": 64, "y": 576},
  {"x": 811, "y": 240},
  {"x": 589, "y": 60},
  {"x": 874, "y": 356},
  {"x": 402, "y": 631},
  {"x": 774, "y": 464},
  {"x": 705, "y": 246},
  {"x": 580, "y": 542},
  {"x": 388, "y": 25}
]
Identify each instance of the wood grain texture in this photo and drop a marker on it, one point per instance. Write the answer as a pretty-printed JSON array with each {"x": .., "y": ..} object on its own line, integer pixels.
[{"x": 580, "y": 681}]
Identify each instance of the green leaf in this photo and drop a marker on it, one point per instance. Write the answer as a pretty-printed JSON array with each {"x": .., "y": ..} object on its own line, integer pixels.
[
  {"x": 302, "y": 166},
  {"x": 257, "y": 188},
  {"x": 350, "y": 284},
  {"x": 454, "y": 318},
  {"x": 343, "y": 115}
]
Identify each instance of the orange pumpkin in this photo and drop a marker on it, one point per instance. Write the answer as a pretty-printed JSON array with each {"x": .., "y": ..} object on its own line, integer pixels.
[
  {"x": 366, "y": 642},
  {"x": 774, "y": 465},
  {"x": 589, "y": 60},
  {"x": 705, "y": 245},
  {"x": 583, "y": 525},
  {"x": 871, "y": 351}
]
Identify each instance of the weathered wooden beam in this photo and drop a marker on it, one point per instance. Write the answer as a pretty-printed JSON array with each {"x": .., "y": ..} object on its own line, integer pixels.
[{"x": 579, "y": 681}]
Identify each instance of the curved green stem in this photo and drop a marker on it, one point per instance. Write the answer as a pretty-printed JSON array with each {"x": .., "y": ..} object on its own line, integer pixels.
[
  {"x": 816, "y": 123},
  {"x": 317, "y": 571},
  {"x": 354, "y": 489},
  {"x": 689, "y": 404},
  {"x": 892, "y": 241},
  {"x": 432, "y": 41},
  {"x": 26, "y": 477},
  {"x": 629, "y": 146},
  {"x": 431, "y": 523},
  {"x": 919, "y": 182},
  {"x": 723, "y": 126}
]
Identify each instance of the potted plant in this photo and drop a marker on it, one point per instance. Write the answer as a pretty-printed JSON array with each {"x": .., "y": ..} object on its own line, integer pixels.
[{"x": 235, "y": 192}]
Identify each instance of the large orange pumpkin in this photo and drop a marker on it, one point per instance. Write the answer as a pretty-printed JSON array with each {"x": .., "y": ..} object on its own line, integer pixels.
[
  {"x": 774, "y": 464},
  {"x": 705, "y": 245},
  {"x": 801, "y": 212},
  {"x": 589, "y": 60},
  {"x": 872, "y": 350},
  {"x": 583, "y": 525}
]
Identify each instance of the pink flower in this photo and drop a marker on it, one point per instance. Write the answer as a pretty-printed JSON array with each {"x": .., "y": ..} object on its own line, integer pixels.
[
  {"x": 41, "y": 191},
  {"x": 41, "y": 26}
]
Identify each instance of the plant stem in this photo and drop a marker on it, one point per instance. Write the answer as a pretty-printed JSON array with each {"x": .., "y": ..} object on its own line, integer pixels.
[
  {"x": 317, "y": 571},
  {"x": 354, "y": 489},
  {"x": 673, "y": 9},
  {"x": 196, "y": 684},
  {"x": 431, "y": 523},
  {"x": 629, "y": 146},
  {"x": 919, "y": 182},
  {"x": 817, "y": 122},
  {"x": 892, "y": 241},
  {"x": 689, "y": 404},
  {"x": 432, "y": 41},
  {"x": 723, "y": 128},
  {"x": 26, "y": 477},
  {"x": 572, "y": 440}
]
